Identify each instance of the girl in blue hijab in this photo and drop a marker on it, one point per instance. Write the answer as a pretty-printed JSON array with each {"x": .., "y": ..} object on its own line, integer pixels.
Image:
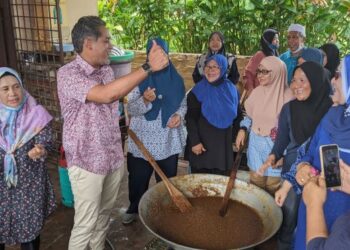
[
  {"x": 157, "y": 108},
  {"x": 169, "y": 87},
  {"x": 213, "y": 106}
]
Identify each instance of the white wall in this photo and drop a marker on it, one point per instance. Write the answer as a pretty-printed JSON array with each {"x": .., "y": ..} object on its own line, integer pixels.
[{"x": 72, "y": 10}]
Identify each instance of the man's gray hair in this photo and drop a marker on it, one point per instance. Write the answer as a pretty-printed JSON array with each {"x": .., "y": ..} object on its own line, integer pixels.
[{"x": 87, "y": 26}]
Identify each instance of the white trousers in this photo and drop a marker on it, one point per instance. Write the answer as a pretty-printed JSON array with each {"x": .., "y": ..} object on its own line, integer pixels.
[{"x": 94, "y": 198}]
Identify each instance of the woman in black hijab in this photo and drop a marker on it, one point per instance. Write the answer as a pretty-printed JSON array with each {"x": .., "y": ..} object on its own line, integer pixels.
[
  {"x": 297, "y": 123},
  {"x": 269, "y": 44},
  {"x": 216, "y": 45},
  {"x": 331, "y": 58},
  {"x": 317, "y": 104}
]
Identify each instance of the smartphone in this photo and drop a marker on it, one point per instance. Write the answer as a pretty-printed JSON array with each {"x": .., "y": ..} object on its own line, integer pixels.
[{"x": 329, "y": 155}]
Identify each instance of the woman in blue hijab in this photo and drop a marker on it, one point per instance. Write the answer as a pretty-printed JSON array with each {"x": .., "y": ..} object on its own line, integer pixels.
[
  {"x": 333, "y": 129},
  {"x": 213, "y": 105},
  {"x": 156, "y": 108}
]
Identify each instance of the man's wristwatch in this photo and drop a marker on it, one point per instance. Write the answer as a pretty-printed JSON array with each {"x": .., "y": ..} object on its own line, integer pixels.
[{"x": 147, "y": 68}]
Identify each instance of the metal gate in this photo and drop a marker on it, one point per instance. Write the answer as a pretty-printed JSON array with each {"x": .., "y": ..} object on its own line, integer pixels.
[{"x": 39, "y": 53}]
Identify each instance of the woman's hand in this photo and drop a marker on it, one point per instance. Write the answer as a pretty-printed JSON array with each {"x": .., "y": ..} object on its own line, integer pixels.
[
  {"x": 198, "y": 149},
  {"x": 345, "y": 176},
  {"x": 240, "y": 138},
  {"x": 174, "y": 121},
  {"x": 37, "y": 152},
  {"x": 279, "y": 163},
  {"x": 315, "y": 192},
  {"x": 304, "y": 173},
  {"x": 149, "y": 95},
  {"x": 281, "y": 194},
  {"x": 270, "y": 161}
]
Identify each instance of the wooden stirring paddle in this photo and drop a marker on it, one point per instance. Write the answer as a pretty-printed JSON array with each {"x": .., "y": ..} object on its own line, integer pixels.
[
  {"x": 231, "y": 181},
  {"x": 179, "y": 199},
  {"x": 237, "y": 162}
]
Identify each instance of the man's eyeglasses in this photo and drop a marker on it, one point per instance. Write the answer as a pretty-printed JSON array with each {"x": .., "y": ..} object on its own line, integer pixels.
[
  {"x": 262, "y": 72},
  {"x": 214, "y": 67}
]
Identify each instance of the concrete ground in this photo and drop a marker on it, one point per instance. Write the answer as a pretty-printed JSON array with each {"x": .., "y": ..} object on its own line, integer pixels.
[{"x": 55, "y": 235}]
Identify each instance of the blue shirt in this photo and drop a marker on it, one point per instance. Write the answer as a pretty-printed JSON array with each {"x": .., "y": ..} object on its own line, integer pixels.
[
  {"x": 285, "y": 144},
  {"x": 291, "y": 62},
  {"x": 339, "y": 237},
  {"x": 337, "y": 202}
]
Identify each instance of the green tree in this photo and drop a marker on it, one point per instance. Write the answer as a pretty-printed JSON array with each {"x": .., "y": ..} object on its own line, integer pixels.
[{"x": 186, "y": 24}]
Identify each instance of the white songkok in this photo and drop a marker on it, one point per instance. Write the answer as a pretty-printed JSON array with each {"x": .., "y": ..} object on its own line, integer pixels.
[{"x": 297, "y": 27}]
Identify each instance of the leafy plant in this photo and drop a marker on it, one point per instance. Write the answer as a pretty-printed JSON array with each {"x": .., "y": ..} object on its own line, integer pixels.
[{"x": 186, "y": 24}]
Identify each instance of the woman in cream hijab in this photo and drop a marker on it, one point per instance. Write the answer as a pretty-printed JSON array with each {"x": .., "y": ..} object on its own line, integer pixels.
[{"x": 263, "y": 107}]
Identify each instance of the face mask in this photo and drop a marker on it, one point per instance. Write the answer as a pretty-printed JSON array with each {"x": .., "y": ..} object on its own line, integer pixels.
[
  {"x": 301, "y": 46},
  {"x": 273, "y": 46}
]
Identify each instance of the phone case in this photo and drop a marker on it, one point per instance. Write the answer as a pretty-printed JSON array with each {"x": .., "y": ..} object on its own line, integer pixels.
[{"x": 329, "y": 157}]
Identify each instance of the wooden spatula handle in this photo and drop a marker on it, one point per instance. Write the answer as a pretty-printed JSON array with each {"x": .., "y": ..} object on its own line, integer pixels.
[{"x": 149, "y": 157}]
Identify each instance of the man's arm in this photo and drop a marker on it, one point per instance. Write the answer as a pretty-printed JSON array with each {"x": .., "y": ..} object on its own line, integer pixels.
[{"x": 120, "y": 87}]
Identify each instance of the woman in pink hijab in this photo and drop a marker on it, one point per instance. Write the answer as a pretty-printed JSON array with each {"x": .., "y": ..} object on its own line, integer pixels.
[
  {"x": 26, "y": 193},
  {"x": 263, "y": 107}
]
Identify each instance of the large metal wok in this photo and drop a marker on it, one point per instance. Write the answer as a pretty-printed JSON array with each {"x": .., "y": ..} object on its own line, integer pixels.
[{"x": 199, "y": 185}]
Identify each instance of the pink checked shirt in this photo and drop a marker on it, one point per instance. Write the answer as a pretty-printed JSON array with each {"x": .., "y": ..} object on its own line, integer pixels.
[{"x": 91, "y": 135}]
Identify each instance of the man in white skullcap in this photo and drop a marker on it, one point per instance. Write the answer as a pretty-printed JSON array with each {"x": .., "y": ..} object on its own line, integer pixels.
[{"x": 296, "y": 37}]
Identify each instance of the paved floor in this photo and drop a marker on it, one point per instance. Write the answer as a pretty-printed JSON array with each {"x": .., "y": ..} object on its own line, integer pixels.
[{"x": 56, "y": 232}]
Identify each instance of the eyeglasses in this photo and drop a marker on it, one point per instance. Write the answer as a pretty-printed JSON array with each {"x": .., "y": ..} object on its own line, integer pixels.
[
  {"x": 337, "y": 74},
  {"x": 262, "y": 71},
  {"x": 214, "y": 67}
]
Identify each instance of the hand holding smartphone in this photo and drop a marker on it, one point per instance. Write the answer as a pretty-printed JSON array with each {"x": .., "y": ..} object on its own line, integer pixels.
[{"x": 329, "y": 155}]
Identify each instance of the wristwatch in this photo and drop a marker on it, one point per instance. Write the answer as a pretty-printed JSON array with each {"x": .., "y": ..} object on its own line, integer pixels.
[{"x": 147, "y": 68}]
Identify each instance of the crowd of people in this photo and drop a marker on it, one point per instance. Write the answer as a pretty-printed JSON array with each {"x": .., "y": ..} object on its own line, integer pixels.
[{"x": 292, "y": 104}]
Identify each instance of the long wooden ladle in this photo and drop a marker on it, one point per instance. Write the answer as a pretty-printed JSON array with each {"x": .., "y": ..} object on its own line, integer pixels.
[
  {"x": 179, "y": 199},
  {"x": 231, "y": 181},
  {"x": 237, "y": 162}
]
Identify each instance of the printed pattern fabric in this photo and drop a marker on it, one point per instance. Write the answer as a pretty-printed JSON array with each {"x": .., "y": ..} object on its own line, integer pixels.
[{"x": 24, "y": 208}]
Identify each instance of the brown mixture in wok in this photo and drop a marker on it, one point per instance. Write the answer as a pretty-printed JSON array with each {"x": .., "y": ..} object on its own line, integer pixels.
[{"x": 203, "y": 227}]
